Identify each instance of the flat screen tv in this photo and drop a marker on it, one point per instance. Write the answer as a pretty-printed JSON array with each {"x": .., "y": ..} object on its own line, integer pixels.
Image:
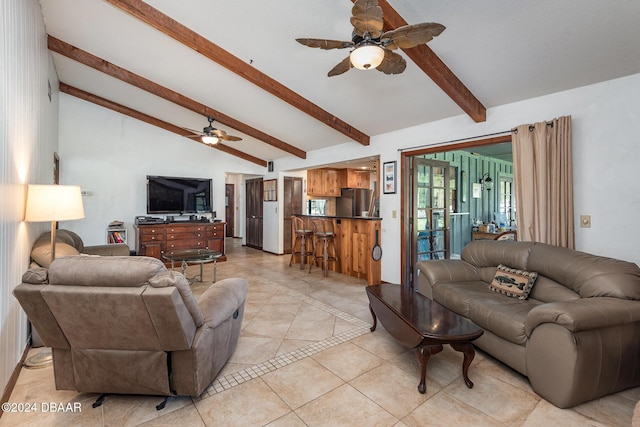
[{"x": 177, "y": 195}]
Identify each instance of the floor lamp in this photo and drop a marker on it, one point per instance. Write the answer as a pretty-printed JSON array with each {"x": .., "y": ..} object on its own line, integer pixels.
[{"x": 51, "y": 203}]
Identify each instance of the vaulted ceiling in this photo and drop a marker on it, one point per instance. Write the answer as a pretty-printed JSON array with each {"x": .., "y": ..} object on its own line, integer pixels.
[{"x": 173, "y": 63}]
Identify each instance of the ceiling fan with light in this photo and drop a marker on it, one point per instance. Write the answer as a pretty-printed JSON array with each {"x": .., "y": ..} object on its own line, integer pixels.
[
  {"x": 211, "y": 135},
  {"x": 371, "y": 47}
]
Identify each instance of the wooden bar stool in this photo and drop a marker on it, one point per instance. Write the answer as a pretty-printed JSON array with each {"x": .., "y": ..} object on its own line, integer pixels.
[
  {"x": 324, "y": 237},
  {"x": 305, "y": 238}
]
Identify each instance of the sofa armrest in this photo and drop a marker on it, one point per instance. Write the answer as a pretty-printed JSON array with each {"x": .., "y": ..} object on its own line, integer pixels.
[
  {"x": 118, "y": 249},
  {"x": 445, "y": 270},
  {"x": 584, "y": 314},
  {"x": 581, "y": 350},
  {"x": 222, "y": 299}
]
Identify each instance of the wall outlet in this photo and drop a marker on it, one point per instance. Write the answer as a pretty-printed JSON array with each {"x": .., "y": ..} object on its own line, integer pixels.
[{"x": 585, "y": 221}]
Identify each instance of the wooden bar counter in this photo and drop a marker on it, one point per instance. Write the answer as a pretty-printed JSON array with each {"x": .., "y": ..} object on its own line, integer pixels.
[{"x": 355, "y": 239}]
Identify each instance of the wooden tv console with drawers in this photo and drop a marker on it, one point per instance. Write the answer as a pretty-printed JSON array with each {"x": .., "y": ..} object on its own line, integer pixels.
[{"x": 155, "y": 239}]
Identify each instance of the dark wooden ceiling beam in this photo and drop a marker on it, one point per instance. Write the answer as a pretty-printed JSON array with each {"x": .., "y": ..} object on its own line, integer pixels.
[
  {"x": 436, "y": 69},
  {"x": 126, "y": 76},
  {"x": 186, "y": 36},
  {"x": 79, "y": 93}
]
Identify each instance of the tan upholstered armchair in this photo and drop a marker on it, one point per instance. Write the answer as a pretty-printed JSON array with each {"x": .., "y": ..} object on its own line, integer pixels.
[
  {"x": 69, "y": 243},
  {"x": 128, "y": 325}
]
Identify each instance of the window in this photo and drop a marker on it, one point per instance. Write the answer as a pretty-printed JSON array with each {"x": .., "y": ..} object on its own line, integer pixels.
[
  {"x": 453, "y": 180},
  {"x": 507, "y": 200},
  {"x": 270, "y": 190}
]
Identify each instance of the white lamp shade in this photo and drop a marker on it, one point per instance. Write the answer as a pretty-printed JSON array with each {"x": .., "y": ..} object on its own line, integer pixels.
[
  {"x": 367, "y": 57},
  {"x": 210, "y": 139},
  {"x": 53, "y": 203}
]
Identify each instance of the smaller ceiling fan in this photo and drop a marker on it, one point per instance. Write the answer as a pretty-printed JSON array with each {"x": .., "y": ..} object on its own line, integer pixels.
[
  {"x": 211, "y": 135},
  {"x": 371, "y": 47}
]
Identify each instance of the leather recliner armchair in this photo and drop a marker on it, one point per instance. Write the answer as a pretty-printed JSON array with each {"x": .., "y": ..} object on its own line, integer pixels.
[
  {"x": 128, "y": 325},
  {"x": 69, "y": 243}
]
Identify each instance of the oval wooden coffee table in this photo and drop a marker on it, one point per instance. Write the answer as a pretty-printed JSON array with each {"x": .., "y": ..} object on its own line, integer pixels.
[{"x": 418, "y": 322}]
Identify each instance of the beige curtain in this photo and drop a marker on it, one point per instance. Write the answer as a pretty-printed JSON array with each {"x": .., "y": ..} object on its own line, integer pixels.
[{"x": 543, "y": 180}]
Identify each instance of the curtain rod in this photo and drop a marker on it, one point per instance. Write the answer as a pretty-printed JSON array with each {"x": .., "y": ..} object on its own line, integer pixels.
[
  {"x": 531, "y": 127},
  {"x": 454, "y": 140},
  {"x": 514, "y": 130}
]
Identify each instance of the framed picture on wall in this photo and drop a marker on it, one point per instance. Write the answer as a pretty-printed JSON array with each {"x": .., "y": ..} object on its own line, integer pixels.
[
  {"x": 389, "y": 177},
  {"x": 476, "y": 189}
]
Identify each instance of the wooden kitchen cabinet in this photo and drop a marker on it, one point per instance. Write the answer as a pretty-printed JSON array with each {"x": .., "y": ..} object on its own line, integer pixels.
[
  {"x": 324, "y": 182},
  {"x": 154, "y": 240},
  {"x": 332, "y": 183},
  {"x": 357, "y": 178},
  {"x": 314, "y": 182}
]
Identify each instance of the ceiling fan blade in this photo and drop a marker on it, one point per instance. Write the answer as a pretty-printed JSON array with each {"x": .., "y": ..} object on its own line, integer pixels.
[
  {"x": 191, "y": 130},
  {"x": 367, "y": 18},
  {"x": 231, "y": 138},
  {"x": 344, "y": 66},
  {"x": 392, "y": 63},
  {"x": 223, "y": 135},
  {"x": 193, "y": 136},
  {"x": 411, "y": 35},
  {"x": 325, "y": 44}
]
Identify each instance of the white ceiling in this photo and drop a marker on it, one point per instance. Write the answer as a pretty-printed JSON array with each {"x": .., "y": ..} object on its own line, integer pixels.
[{"x": 502, "y": 50}]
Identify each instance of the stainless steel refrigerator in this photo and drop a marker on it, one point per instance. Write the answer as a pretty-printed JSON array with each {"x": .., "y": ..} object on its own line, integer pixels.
[{"x": 352, "y": 202}]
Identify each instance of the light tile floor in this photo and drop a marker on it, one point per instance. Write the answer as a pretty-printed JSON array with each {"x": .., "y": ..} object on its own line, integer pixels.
[{"x": 306, "y": 358}]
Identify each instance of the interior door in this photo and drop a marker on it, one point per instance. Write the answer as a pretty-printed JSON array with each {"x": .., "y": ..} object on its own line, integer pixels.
[
  {"x": 229, "y": 209},
  {"x": 292, "y": 205},
  {"x": 429, "y": 210},
  {"x": 254, "y": 213}
]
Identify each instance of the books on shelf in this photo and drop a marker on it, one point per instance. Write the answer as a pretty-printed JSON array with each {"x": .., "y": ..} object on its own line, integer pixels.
[
  {"x": 119, "y": 236},
  {"x": 116, "y": 233}
]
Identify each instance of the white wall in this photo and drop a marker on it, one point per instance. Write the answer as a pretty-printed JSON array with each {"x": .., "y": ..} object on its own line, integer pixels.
[
  {"x": 28, "y": 139},
  {"x": 109, "y": 155},
  {"x": 239, "y": 200},
  {"x": 273, "y": 220},
  {"x": 606, "y": 152},
  {"x": 271, "y": 224}
]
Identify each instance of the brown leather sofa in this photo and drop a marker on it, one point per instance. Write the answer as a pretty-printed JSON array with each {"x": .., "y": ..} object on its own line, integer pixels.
[
  {"x": 576, "y": 337},
  {"x": 128, "y": 325},
  {"x": 69, "y": 243}
]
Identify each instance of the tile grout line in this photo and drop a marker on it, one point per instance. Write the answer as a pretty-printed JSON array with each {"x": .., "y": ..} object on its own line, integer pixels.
[{"x": 221, "y": 384}]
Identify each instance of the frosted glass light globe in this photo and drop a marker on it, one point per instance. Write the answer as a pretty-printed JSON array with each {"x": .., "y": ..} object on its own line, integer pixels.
[{"x": 367, "y": 57}]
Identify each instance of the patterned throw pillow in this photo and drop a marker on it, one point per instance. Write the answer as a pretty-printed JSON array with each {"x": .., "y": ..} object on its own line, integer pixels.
[{"x": 512, "y": 282}]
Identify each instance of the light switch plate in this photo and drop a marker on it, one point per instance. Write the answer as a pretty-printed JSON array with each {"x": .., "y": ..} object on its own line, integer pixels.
[{"x": 585, "y": 221}]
